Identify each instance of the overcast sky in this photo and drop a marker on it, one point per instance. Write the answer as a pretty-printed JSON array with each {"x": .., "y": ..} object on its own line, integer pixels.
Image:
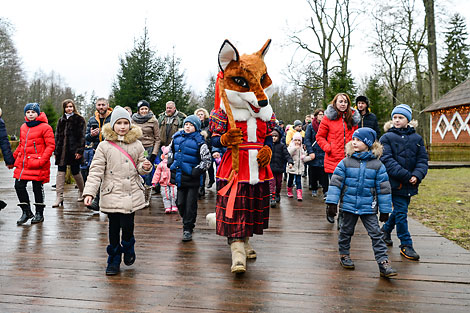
[{"x": 83, "y": 40}]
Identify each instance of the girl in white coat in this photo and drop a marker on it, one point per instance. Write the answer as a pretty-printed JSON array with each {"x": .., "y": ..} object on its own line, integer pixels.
[{"x": 115, "y": 170}]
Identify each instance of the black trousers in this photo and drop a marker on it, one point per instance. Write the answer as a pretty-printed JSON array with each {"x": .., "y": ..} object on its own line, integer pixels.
[
  {"x": 118, "y": 222},
  {"x": 22, "y": 193},
  {"x": 316, "y": 174},
  {"x": 186, "y": 201}
]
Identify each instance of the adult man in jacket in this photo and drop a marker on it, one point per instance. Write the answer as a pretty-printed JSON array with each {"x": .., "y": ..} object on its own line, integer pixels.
[{"x": 170, "y": 122}]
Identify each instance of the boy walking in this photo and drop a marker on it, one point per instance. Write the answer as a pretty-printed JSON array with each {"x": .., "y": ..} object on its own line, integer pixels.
[
  {"x": 189, "y": 158},
  {"x": 360, "y": 181},
  {"x": 406, "y": 160}
]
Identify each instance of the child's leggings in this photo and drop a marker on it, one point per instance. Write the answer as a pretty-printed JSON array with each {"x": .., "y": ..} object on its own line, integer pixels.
[
  {"x": 22, "y": 193},
  {"x": 169, "y": 196},
  {"x": 298, "y": 181},
  {"x": 118, "y": 221}
]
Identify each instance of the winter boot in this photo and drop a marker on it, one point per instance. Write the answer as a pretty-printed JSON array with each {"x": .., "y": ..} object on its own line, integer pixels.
[
  {"x": 148, "y": 195},
  {"x": 289, "y": 192},
  {"x": 80, "y": 184},
  {"x": 3, "y": 204},
  {"x": 238, "y": 257},
  {"x": 273, "y": 201},
  {"x": 249, "y": 251},
  {"x": 27, "y": 214},
  {"x": 39, "y": 217},
  {"x": 128, "y": 250},
  {"x": 346, "y": 262},
  {"x": 299, "y": 194},
  {"x": 278, "y": 198},
  {"x": 59, "y": 189},
  {"x": 114, "y": 259},
  {"x": 387, "y": 237},
  {"x": 386, "y": 269}
]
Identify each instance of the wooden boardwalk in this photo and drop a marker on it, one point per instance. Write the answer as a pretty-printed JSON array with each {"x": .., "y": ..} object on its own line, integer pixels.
[{"x": 58, "y": 266}]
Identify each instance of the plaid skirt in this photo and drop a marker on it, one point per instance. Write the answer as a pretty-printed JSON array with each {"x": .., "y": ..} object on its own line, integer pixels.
[{"x": 250, "y": 212}]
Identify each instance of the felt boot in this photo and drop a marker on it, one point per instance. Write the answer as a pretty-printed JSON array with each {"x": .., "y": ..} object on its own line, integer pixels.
[
  {"x": 27, "y": 214},
  {"x": 39, "y": 217},
  {"x": 289, "y": 192},
  {"x": 299, "y": 194},
  {"x": 80, "y": 184},
  {"x": 114, "y": 259},
  {"x": 128, "y": 250},
  {"x": 59, "y": 190},
  {"x": 249, "y": 251},
  {"x": 238, "y": 257}
]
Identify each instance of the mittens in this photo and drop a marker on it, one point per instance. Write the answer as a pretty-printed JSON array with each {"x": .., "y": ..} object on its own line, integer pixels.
[
  {"x": 264, "y": 156},
  {"x": 331, "y": 209},
  {"x": 232, "y": 137},
  {"x": 383, "y": 217}
]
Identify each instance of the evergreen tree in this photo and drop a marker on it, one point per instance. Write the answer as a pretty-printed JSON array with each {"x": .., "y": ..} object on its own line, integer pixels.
[
  {"x": 52, "y": 116},
  {"x": 379, "y": 104},
  {"x": 174, "y": 87},
  {"x": 456, "y": 63},
  {"x": 141, "y": 76},
  {"x": 341, "y": 83},
  {"x": 208, "y": 98}
]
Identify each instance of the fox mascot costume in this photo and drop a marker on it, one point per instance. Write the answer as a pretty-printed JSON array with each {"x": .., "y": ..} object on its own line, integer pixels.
[{"x": 242, "y": 121}]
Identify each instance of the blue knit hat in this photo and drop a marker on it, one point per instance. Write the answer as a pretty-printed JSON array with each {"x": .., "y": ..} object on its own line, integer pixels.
[
  {"x": 366, "y": 135},
  {"x": 32, "y": 106},
  {"x": 403, "y": 109},
  {"x": 193, "y": 119}
]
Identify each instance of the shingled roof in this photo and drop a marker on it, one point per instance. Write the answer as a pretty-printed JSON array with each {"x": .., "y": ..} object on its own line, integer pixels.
[{"x": 459, "y": 95}]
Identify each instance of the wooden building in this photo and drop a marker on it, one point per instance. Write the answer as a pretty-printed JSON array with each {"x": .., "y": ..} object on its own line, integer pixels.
[{"x": 450, "y": 125}]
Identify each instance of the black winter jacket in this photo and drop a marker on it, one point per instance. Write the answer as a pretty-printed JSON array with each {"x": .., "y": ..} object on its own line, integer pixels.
[
  {"x": 404, "y": 156},
  {"x": 280, "y": 157},
  {"x": 370, "y": 120}
]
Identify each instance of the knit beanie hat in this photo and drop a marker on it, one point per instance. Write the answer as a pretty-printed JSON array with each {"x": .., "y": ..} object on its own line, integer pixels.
[
  {"x": 32, "y": 106},
  {"x": 297, "y": 123},
  {"x": 297, "y": 136},
  {"x": 366, "y": 135},
  {"x": 403, "y": 109},
  {"x": 363, "y": 99},
  {"x": 193, "y": 119},
  {"x": 118, "y": 113},
  {"x": 143, "y": 103}
]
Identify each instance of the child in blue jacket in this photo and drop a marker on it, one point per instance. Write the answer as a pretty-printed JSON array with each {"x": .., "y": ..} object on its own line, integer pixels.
[
  {"x": 406, "y": 160},
  {"x": 360, "y": 181}
]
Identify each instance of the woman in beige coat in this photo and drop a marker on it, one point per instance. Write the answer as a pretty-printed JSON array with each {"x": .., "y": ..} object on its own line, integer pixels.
[{"x": 116, "y": 167}]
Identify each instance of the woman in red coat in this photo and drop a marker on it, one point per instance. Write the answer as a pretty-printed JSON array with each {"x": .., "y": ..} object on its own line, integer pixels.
[{"x": 32, "y": 161}]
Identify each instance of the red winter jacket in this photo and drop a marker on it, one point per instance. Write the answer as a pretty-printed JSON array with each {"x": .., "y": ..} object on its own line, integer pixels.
[
  {"x": 32, "y": 157},
  {"x": 333, "y": 135}
]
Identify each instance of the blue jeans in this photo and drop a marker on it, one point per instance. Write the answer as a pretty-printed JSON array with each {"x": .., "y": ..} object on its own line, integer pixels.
[
  {"x": 149, "y": 176},
  {"x": 399, "y": 218},
  {"x": 298, "y": 181}
]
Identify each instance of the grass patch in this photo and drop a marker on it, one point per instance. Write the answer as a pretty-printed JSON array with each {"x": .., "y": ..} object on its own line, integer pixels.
[{"x": 443, "y": 204}]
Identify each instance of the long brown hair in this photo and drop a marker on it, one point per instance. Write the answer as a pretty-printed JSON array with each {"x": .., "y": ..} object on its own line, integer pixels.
[
  {"x": 348, "y": 114},
  {"x": 67, "y": 101}
]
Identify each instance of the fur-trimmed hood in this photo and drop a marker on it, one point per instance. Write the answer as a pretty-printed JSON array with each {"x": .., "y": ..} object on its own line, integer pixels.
[
  {"x": 389, "y": 124},
  {"x": 134, "y": 133},
  {"x": 332, "y": 114},
  {"x": 376, "y": 149}
]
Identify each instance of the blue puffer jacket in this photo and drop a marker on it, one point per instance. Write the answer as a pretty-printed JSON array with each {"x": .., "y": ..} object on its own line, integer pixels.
[
  {"x": 313, "y": 147},
  {"x": 404, "y": 156},
  {"x": 361, "y": 181},
  {"x": 186, "y": 156}
]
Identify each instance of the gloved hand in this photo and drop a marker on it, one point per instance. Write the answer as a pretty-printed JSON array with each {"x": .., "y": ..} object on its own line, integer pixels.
[
  {"x": 264, "y": 156},
  {"x": 383, "y": 217},
  {"x": 331, "y": 209},
  {"x": 232, "y": 137},
  {"x": 152, "y": 158}
]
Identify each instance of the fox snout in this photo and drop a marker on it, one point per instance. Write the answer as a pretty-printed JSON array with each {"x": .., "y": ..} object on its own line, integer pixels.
[{"x": 263, "y": 103}]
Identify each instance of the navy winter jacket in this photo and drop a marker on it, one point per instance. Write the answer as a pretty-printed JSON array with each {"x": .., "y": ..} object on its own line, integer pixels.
[
  {"x": 5, "y": 144},
  {"x": 404, "y": 156},
  {"x": 313, "y": 147},
  {"x": 361, "y": 181},
  {"x": 186, "y": 156},
  {"x": 280, "y": 157}
]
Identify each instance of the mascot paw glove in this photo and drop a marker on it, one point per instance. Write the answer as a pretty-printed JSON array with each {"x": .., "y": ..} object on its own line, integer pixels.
[
  {"x": 264, "y": 156},
  {"x": 232, "y": 137}
]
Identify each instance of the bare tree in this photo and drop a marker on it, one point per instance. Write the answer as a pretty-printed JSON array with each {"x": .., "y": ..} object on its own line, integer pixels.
[{"x": 432, "y": 49}]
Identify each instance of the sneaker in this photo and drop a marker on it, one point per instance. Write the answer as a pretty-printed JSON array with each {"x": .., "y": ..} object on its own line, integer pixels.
[
  {"x": 174, "y": 209},
  {"x": 167, "y": 210},
  {"x": 187, "y": 235},
  {"x": 387, "y": 237},
  {"x": 346, "y": 262},
  {"x": 314, "y": 193},
  {"x": 409, "y": 253},
  {"x": 386, "y": 269}
]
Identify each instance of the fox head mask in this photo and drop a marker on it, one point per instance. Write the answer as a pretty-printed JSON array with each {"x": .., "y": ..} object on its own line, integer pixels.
[{"x": 245, "y": 80}]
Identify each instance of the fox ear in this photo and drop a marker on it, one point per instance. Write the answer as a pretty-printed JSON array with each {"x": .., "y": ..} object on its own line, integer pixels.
[
  {"x": 227, "y": 54},
  {"x": 262, "y": 52}
]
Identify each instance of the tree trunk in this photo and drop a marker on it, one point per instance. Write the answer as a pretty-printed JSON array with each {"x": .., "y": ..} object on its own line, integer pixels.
[{"x": 432, "y": 50}]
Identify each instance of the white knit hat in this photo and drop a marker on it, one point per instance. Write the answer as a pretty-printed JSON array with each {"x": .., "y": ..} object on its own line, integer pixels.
[{"x": 118, "y": 113}]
